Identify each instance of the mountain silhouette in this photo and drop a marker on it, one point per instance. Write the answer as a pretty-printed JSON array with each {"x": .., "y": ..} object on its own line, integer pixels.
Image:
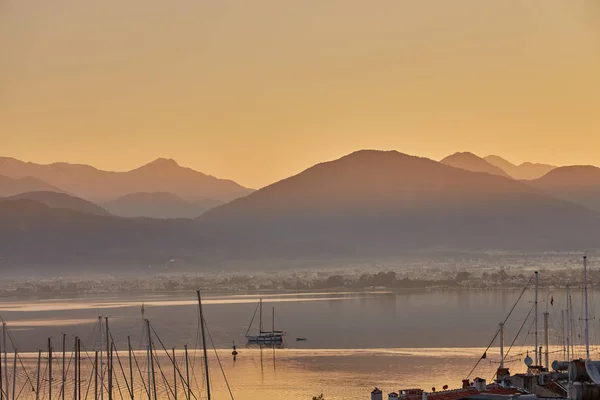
[
  {"x": 578, "y": 184},
  {"x": 158, "y": 205},
  {"x": 374, "y": 202},
  {"x": 63, "y": 240},
  {"x": 13, "y": 186},
  {"x": 471, "y": 162},
  {"x": 161, "y": 175},
  {"x": 524, "y": 171},
  {"x": 60, "y": 200}
]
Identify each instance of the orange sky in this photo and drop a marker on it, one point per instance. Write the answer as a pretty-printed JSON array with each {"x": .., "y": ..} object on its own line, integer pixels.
[{"x": 258, "y": 90}]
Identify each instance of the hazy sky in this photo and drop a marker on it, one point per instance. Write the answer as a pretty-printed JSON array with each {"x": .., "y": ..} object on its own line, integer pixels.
[{"x": 258, "y": 90}]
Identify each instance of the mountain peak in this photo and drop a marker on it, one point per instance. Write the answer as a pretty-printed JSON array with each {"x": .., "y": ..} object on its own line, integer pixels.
[
  {"x": 471, "y": 162},
  {"x": 162, "y": 162}
]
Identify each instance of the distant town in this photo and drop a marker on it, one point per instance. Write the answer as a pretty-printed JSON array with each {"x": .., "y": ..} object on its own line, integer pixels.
[{"x": 496, "y": 272}]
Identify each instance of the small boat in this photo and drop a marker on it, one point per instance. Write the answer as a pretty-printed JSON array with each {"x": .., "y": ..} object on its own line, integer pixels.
[
  {"x": 265, "y": 337},
  {"x": 300, "y": 339}
]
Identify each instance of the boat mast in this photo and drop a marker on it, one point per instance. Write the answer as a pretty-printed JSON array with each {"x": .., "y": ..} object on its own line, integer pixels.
[
  {"x": 14, "y": 382},
  {"x": 204, "y": 344},
  {"x": 37, "y": 386},
  {"x": 130, "y": 365},
  {"x": 64, "y": 378},
  {"x": 108, "y": 360},
  {"x": 568, "y": 334},
  {"x": 5, "y": 357},
  {"x": 273, "y": 319},
  {"x": 75, "y": 372},
  {"x": 501, "y": 344},
  {"x": 537, "y": 360},
  {"x": 49, "y": 369},
  {"x": 546, "y": 341},
  {"x": 101, "y": 358},
  {"x": 174, "y": 375},
  {"x": 585, "y": 296},
  {"x": 260, "y": 318},
  {"x": 150, "y": 363},
  {"x": 187, "y": 374},
  {"x": 96, "y": 375}
]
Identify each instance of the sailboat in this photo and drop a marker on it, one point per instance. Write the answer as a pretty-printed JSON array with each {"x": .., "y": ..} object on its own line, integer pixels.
[{"x": 264, "y": 337}]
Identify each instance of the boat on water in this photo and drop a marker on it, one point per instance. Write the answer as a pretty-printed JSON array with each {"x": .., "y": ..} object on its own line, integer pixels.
[
  {"x": 272, "y": 337},
  {"x": 300, "y": 339}
]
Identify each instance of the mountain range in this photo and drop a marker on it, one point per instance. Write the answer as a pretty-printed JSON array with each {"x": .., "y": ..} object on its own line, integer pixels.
[
  {"x": 524, "y": 171},
  {"x": 366, "y": 205},
  {"x": 98, "y": 186}
]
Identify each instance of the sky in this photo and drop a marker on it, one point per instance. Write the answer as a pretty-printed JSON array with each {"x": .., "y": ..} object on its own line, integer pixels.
[{"x": 258, "y": 90}]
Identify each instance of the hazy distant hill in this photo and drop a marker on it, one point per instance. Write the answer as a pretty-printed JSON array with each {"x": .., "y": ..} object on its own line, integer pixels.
[
  {"x": 525, "y": 170},
  {"x": 60, "y": 200},
  {"x": 365, "y": 206},
  {"x": 158, "y": 205},
  {"x": 11, "y": 186},
  {"x": 578, "y": 184},
  {"x": 57, "y": 240},
  {"x": 373, "y": 202},
  {"x": 471, "y": 162},
  {"x": 161, "y": 175}
]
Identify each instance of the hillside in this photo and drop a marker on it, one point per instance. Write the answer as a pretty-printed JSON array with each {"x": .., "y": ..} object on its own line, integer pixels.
[
  {"x": 13, "y": 186},
  {"x": 60, "y": 200},
  {"x": 578, "y": 184},
  {"x": 161, "y": 175},
  {"x": 372, "y": 202},
  {"x": 158, "y": 205},
  {"x": 471, "y": 162},
  {"x": 524, "y": 171},
  {"x": 60, "y": 240}
]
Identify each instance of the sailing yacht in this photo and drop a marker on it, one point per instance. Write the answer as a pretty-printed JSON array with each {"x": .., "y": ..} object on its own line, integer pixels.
[{"x": 264, "y": 337}]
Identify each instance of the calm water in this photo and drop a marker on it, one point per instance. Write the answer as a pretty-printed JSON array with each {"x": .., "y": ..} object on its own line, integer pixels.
[{"x": 355, "y": 340}]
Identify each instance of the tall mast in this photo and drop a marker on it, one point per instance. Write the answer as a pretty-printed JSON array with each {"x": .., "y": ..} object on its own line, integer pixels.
[
  {"x": 108, "y": 360},
  {"x": 537, "y": 287},
  {"x": 174, "y": 374},
  {"x": 101, "y": 345},
  {"x": 273, "y": 320},
  {"x": 75, "y": 372},
  {"x": 564, "y": 338},
  {"x": 204, "y": 344},
  {"x": 150, "y": 353},
  {"x": 585, "y": 299},
  {"x": 187, "y": 374},
  {"x": 64, "y": 377},
  {"x": 260, "y": 318},
  {"x": 501, "y": 344},
  {"x": 49, "y": 369},
  {"x": 568, "y": 334},
  {"x": 5, "y": 357},
  {"x": 130, "y": 366},
  {"x": 14, "y": 381},
  {"x": 78, "y": 369},
  {"x": 96, "y": 375},
  {"x": 37, "y": 385},
  {"x": 546, "y": 341}
]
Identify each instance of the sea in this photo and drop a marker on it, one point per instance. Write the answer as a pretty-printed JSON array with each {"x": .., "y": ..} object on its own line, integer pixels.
[{"x": 355, "y": 341}]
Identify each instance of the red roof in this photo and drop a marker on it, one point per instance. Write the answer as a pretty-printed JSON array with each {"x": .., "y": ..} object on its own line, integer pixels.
[{"x": 463, "y": 393}]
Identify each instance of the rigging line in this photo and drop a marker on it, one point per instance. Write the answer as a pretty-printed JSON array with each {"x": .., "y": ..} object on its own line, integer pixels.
[
  {"x": 169, "y": 357},
  {"x": 163, "y": 375},
  {"x": 120, "y": 365},
  {"x": 117, "y": 375},
  {"x": 515, "y": 339},
  {"x": 219, "y": 360},
  {"x": 252, "y": 320},
  {"x": 166, "y": 384},
  {"x": 141, "y": 375},
  {"x": 506, "y": 319}
]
